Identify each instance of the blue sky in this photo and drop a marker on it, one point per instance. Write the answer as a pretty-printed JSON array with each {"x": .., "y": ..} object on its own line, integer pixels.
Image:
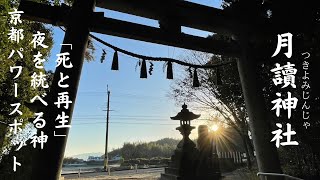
[{"x": 140, "y": 108}]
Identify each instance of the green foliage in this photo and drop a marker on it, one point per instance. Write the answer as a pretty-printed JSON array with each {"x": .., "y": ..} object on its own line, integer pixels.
[
  {"x": 224, "y": 98},
  {"x": 298, "y": 164},
  {"x": 24, "y": 156},
  {"x": 160, "y": 148},
  {"x": 144, "y": 161},
  {"x": 281, "y": 16},
  {"x": 71, "y": 160},
  {"x": 25, "y": 91}
]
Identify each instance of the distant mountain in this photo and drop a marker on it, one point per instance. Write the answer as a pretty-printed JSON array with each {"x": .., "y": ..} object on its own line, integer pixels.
[
  {"x": 167, "y": 141},
  {"x": 84, "y": 156},
  {"x": 160, "y": 148}
]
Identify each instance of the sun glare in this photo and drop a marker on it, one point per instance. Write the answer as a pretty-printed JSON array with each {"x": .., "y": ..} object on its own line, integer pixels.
[{"x": 214, "y": 127}]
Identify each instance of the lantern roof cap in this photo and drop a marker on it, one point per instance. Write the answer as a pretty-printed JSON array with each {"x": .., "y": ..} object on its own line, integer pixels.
[{"x": 185, "y": 114}]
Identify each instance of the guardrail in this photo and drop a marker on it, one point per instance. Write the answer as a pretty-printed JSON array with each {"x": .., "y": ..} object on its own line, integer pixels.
[{"x": 277, "y": 174}]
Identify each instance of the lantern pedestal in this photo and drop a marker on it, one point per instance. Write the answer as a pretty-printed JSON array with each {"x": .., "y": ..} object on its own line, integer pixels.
[{"x": 184, "y": 160}]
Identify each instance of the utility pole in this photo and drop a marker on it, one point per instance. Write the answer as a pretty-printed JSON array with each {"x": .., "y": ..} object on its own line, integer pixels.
[{"x": 107, "y": 132}]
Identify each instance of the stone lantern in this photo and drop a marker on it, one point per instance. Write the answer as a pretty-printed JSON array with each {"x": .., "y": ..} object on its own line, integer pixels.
[
  {"x": 185, "y": 116},
  {"x": 184, "y": 162}
]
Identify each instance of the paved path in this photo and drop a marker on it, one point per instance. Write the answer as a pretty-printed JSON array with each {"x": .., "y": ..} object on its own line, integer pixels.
[
  {"x": 237, "y": 175},
  {"x": 150, "y": 174}
]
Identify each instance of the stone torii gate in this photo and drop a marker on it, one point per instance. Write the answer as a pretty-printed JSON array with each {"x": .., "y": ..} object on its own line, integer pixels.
[{"x": 81, "y": 19}]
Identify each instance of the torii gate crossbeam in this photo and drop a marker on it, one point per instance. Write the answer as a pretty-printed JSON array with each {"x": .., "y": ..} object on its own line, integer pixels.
[{"x": 98, "y": 23}]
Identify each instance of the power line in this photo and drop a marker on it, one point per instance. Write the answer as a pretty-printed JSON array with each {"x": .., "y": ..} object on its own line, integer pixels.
[
  {"x": 124, "y": 123},
  {"x": 116, "y": 116},
  {"x": 128, "y": 116},
  {"x": 136, "y": 121},
  {"x": 84, "y": 116},
  {"x": 122, "y": 94},
  {"x": 133, "y": 119}
]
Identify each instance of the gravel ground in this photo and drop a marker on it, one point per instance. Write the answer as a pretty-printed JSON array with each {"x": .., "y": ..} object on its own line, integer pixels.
[
  {"x": 151, "y": 174},
  {"x": 154, "y": 174},
  {"x": 131, "y": 177}
]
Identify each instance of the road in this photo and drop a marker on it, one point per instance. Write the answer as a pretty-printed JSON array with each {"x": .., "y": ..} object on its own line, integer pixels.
[{"x": 151, "y": 173}]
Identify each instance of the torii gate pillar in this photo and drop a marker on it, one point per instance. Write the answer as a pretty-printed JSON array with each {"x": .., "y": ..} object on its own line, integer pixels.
[
  {"x": 259, "y": 119},
  {"x": 47, "y": 162}
]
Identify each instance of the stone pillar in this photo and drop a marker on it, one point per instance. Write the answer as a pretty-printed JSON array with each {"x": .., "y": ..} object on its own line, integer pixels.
[
  {"x": 259, "y": 119},
  {"x": 47, "y": 162}
]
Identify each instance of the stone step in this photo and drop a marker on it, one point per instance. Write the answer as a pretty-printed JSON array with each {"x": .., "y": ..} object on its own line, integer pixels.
[
  {"x": 170, "y": 170},
  {"x": 168, "y": 177}
]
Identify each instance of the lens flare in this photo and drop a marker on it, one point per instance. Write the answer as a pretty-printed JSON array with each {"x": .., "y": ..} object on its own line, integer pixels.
[{"x": 214, "y": 127}]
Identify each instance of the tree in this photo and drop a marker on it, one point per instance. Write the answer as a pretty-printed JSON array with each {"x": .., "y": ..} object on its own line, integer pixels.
[
  {"x": 8, "y": 142},
  {"x": 71, "y": 160},
  {"x": 161, "y": 148},
  {"x": 282, "y": 17},
  {"x": 226, "y": 99},
  {"x": 276, "y": 17},
  {"x": 26, "y": 92}
]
